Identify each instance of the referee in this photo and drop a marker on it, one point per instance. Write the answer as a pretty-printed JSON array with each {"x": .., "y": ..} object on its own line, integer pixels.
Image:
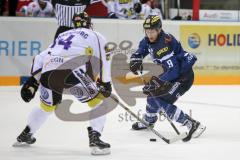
[{"x": 64, "y": 10}]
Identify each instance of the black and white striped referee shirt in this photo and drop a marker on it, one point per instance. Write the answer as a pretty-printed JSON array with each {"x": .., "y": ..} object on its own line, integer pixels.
[{"x": 64, "y": 10}]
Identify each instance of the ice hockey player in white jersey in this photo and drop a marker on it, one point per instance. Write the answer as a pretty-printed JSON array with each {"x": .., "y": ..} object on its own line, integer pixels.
[
  {"x": 40, "y": 8},
  {"x": 55, "y": 65},
  {"x": 123, "y": 9}
]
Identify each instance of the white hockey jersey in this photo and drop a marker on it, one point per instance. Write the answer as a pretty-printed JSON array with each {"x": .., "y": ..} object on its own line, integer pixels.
[
  {"x": 147, "y": 10},
  {"x": 35, "y": 10},
  {"x": 123, "y": 9},
  {"x": 71, "y": 45}
]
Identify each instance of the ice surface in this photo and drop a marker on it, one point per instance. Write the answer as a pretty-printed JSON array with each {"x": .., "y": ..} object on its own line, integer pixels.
[{"x": 218, "y": 107}]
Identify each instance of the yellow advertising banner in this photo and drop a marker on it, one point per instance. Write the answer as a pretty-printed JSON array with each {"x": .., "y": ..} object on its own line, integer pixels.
[{"x": 217, "y": 49}]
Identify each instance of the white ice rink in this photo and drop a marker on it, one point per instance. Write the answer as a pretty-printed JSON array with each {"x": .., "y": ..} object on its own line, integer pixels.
[{"x": 218, "y": 107}]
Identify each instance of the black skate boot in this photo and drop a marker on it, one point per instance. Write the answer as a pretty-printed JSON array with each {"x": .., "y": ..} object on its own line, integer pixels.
[
  {"x": 139, "y": 126},
  {"x": 25, "y": 138},
  {"x": 98, "y": 146},
  {"x": 148, "y": 120},
  {"x": 195, "y": 129}
]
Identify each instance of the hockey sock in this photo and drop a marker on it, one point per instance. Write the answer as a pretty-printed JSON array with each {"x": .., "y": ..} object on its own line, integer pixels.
[{"x": 36, "y": 118}]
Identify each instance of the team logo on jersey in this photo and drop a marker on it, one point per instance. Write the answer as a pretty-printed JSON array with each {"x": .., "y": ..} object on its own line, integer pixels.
[
  {"x": 162, "y": 50},
  {"x": 44, "y": 93},
  {"x": 76, "y": 91}
]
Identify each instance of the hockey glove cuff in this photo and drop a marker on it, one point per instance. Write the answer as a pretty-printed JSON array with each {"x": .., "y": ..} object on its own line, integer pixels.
[
  {"x": 135, "y": 66},
  {"x": 105, "y": 88}
]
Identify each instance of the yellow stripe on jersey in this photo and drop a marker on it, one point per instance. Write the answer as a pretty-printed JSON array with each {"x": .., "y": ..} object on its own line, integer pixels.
[
  {"x": 96, "y": 101},
  {"x": 47, "y": 108}
]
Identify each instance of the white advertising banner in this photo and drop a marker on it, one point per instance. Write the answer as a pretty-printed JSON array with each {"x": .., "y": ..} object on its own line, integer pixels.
[
  {"x": 219, "y": 15},
  {"x": 20, "y": 40}
]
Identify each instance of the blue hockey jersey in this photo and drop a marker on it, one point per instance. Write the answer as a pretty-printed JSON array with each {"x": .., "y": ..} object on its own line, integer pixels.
[{"x": 168, "y": 53}]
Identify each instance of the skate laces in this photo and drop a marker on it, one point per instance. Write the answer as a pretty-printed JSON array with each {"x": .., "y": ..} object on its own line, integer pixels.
[
  {"x": 188, "y": 124},
  {"x": 94, "y": 136},
  {"x": 140, "y": 125},
  {"x": 24, "y": 136}
]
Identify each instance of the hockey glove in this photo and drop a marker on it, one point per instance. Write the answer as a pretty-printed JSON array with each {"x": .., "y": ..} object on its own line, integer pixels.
[
  {"x": 105, "y": 88},
  {"x": 137, "y": 7},
  {"x": 112, "y": 15},
  {"x": 29, "y": 89},
  {"x": 135, "y": 66},
  {"x": 156, "y": 87}
]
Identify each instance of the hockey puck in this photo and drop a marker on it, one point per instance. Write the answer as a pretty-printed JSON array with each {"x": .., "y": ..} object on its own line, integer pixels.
[{"x": 153, "y": 140}]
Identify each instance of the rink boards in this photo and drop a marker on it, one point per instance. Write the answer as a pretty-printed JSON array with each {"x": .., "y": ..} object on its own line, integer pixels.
[{"x": 216, "y": 45}]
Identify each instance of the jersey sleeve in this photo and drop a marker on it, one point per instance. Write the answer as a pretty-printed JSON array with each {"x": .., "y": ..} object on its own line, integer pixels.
[
  {"x": 30, "y": 9},
  {"x": 105, "y": 71},
  {"x": 111, "y": 6},
  {"x": 49, "y": 7},
  {"x": 186, "y": 59},
  {"x": 177, "y": 47},
  {"x": 141, "y": 52},
  {"x": 37, "y": 64}
]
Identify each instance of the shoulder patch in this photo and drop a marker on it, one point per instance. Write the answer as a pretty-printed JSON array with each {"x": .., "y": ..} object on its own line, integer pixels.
[
  {"x": 167, "y": 39},
  {"x": 108, "y": 52},
  {"x": 89, "y": 51}
]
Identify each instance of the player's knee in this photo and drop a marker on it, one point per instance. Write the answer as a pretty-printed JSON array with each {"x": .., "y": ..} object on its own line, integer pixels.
[{"x": 47, "y": 108}]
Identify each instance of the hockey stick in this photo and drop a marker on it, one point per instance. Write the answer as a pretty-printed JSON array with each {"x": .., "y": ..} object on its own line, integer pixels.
[
  {"x": 171, "y": 123},
  {"x": 168, "y": 141},
  {"x": 164, "y": 113}
]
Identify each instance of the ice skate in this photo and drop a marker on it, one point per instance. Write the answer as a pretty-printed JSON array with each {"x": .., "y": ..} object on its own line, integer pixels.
[{"x": 98, "y": 147}]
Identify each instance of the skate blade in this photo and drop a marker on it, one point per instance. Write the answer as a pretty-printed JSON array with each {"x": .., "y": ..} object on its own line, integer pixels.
[
  {"x": 142, "y": 129},
  {"x": 97, "y": 151},
  {"x": 199, "y": 131},
  {"x": 20, "y": 144}
]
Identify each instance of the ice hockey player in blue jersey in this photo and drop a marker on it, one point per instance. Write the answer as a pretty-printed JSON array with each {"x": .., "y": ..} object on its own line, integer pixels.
[{"x": 177, "y": 77}]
